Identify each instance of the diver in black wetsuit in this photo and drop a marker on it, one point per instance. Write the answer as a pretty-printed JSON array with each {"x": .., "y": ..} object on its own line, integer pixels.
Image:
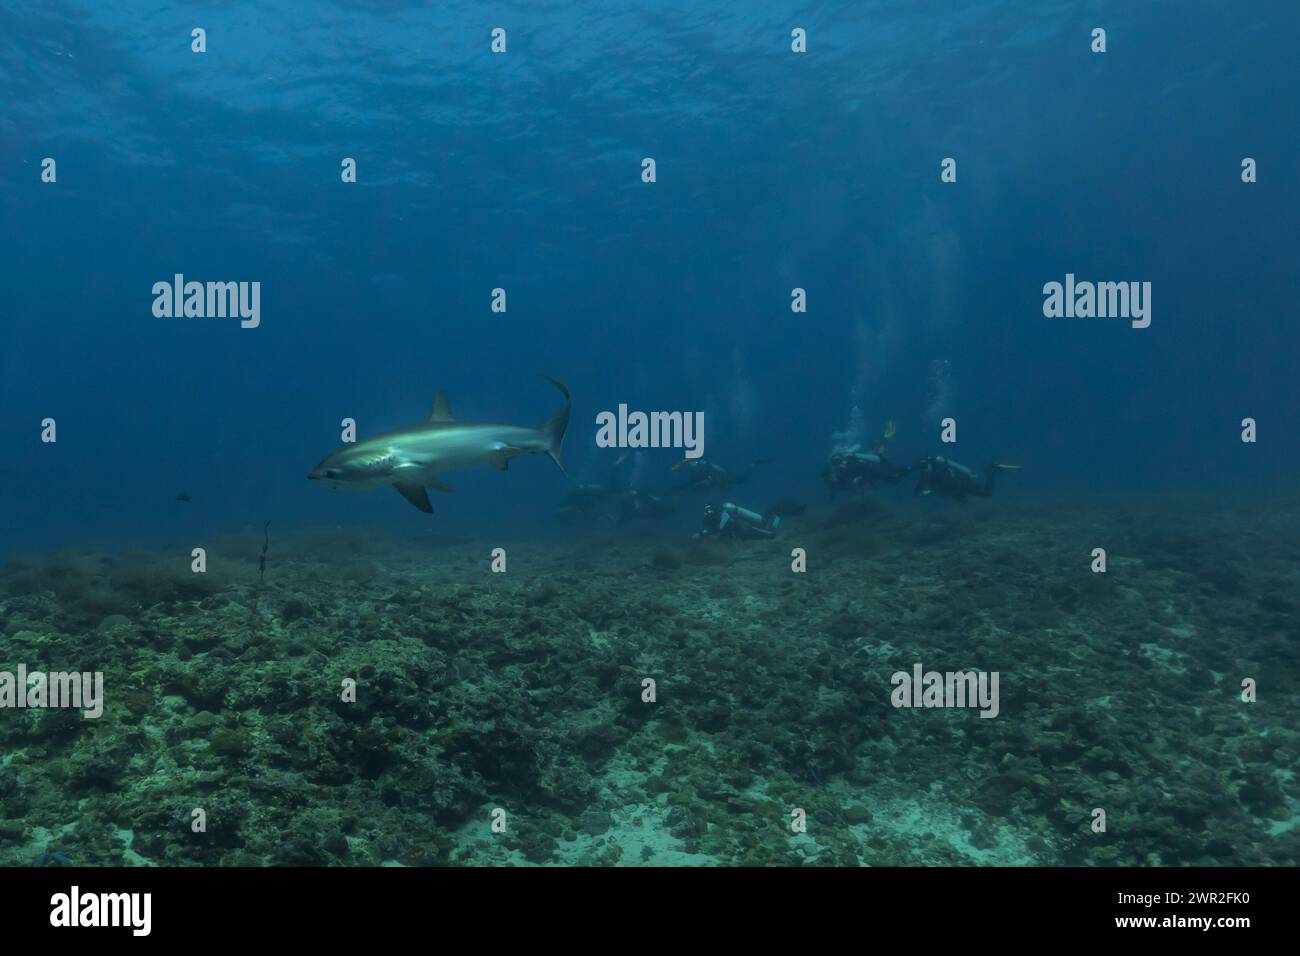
[
  {"x": 596, "y": 501},
  {"x": 857, "y": 471},
  {"x": 729, "y": 520},
  {"x": 943, "y": 476},
  {"x": 860, "y": 470},
  {"x": 641, "y": 504},
  {"x": 584, "y": 503},
  {"x": 706, "y": 476}
]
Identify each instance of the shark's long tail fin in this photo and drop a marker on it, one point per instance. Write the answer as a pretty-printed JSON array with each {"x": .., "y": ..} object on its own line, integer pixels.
[{"x": 555, "y": 426}]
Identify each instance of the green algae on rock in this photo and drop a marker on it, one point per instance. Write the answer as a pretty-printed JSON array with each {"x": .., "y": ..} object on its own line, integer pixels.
[{"x": 672, "y": 704}]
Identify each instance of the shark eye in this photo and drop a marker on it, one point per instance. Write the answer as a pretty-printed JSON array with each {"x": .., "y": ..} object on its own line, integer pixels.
[{"x": 331, "y": 473}]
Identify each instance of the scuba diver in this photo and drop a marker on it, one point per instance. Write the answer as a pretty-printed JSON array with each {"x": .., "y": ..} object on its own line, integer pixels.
[
  {"x": 641, "y": 504},
  {"x": 857, "y": 470},
  {"x": 729, "y": 520},
  {"x": 704, "y": 475},
  {"x": 943, "y": 476},
  {"x": 590, "y": 502},
  {"x": 584, "y": 503}
]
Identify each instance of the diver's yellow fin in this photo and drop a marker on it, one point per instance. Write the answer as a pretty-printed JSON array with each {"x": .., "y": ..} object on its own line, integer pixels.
[
  {"x": 890, "y": 428},
  {"x": 680, "y": 463},
  {"x": 1002, "y": 467}
]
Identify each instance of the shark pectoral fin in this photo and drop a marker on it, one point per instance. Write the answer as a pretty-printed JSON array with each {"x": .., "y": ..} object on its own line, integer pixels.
[
  {"x": 437, "y": 485},
  {"x": 500, "y": 458},
  {"x": 415, "y": 494},
  {"x": 441, "y": 408}
]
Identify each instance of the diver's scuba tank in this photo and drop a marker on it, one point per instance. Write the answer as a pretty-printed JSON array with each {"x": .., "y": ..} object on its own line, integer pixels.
[
  {"x": 730, "y": 518},
  {"x": 733, "y": 512}
]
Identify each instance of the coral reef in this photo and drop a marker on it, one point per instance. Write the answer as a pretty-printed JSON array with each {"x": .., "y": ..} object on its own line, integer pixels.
[{"x": 525, "y": 692}]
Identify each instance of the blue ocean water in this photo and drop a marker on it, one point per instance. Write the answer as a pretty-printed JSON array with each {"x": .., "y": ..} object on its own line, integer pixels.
[{"x": 522, "y": 171}]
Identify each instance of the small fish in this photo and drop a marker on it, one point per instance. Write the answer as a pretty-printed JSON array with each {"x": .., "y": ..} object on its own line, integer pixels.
[{"x": 182, "y": 497}]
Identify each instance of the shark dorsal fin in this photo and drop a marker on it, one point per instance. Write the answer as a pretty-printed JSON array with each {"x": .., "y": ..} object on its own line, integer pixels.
[{"x": 441, "y": 409}]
